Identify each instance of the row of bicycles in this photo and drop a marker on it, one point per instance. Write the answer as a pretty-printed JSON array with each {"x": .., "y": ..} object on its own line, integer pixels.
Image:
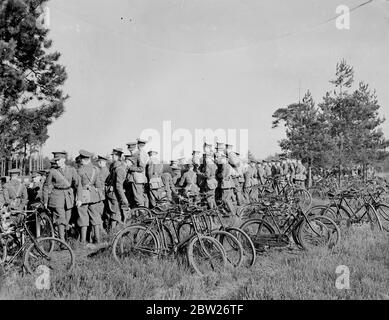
[
  {"x": 280, "y": 214},
  {"x": 212, "y": 239}
]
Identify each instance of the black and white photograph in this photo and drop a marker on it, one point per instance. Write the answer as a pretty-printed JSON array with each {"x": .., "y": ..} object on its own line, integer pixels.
[{"x": 218, "y": 152}]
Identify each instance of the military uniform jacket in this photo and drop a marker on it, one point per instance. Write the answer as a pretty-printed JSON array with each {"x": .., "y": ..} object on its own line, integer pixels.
[
  {"x": 89, "y": 178},
  {"x": 64, "y": 184},
  {"x": 225, "y": 178},
  {"x": 137, "y": 171},
  {"x": 154, "y": 172},
  {"x": 261, "y": 174},
  {"x": 103, "y": 174},
  {"x": 189, "y": 181},
  {"x": 176, "y": 179},
  {"x": 268, "y": 171},
  {"x": 250, "y": 177},
  {"x": 16, "y": 194},
  {"x": 114, "y": 182},
  {"x": 209, "y": 174},
  {"x": 168, "y": 183}
]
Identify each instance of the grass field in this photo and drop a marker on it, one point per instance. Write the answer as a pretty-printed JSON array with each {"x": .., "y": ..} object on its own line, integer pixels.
[{"x": 276, "y": 275}]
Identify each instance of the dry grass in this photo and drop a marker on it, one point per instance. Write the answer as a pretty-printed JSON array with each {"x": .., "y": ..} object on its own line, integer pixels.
[{"x": 276, "y": 275}]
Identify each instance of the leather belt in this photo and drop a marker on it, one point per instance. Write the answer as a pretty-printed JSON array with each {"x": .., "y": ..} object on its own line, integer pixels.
[{"x": 62, "y": 188}]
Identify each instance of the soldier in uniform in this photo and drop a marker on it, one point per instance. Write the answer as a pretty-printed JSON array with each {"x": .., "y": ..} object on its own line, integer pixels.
[
  {"x": 116, "y": 198},
  {"x": 132, "y": 147},
  {"x": 169, "y": 187},
  {"x": 60, "y": 190},
  {"x": 261, "y": 173},
  {"x": 90, "y": 212},
  {"x": 176, "y": 174},
  {"x": 249, "y": 176},
  {"x": 237, "y": 175},
  {"x": 137, "y": 176},
  {"x": 208, "y": 172},
  {"x": 188, "y": 181},
  {"x": 103, "y": 173},
  {"x": 16, "y": 192},
  {"x": 34, "y": 189},
  {"x": 226, "y": 182},
  {"x": 154, "y": 173}
]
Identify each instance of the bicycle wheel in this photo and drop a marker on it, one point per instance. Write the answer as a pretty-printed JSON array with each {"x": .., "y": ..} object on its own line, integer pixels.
[
  {"x": 383, "y": 213},
  {"x": 45, "y": 227},
  {"x": 135, "y": 240},
  {"x": 206, "y": 254},
  {"x": 318, "y": 232},
  {"x": 333, "y": 229},
  {"x": 258, "y": 230},
  {"x": 249, "y": 253},
  {"x": 49, "y": 252},
  {"x": 372, "y": 218},
  {"x": 339, "y": 214},
  {"x": 232, "y": 246}
]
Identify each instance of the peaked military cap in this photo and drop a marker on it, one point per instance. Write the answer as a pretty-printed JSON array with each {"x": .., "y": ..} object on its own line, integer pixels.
[
  {"x": 132, "y": 143},
  {"x": 85, "y": 154},
  {"x": 141, "y": 141},
  {"x": 102, "y": 158},
  {"x": 152, "y": 152},
  {"x": 59, "y": 154},
  {"x": 117, "y": 151}
]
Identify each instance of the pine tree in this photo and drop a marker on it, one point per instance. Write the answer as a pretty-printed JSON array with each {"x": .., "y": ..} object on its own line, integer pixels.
[{"x": 31, "y": 78}]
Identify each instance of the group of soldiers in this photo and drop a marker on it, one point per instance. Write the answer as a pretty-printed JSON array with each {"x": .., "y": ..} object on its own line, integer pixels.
[{"x": 95, "y": 194}]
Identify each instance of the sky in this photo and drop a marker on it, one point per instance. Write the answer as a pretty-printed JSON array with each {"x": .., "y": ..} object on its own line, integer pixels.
[{"x": 218, "y": 64}]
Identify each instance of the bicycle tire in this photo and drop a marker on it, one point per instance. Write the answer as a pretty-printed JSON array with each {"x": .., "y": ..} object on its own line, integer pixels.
[
  {"x": 249, "y": 251},
  {"x": 383, "y": 212},
  {"x": 232, "y": 246},
  {"x": 324, "y": 229},
  {"x": 264, "y": 228},
  {"x": 339, "y": 214},
  {"x": 374, "y": 219},
  {"x": 60, "y": 253},
  {"x": 124, "y": 246},
  {"x": 196, "y": 254}
]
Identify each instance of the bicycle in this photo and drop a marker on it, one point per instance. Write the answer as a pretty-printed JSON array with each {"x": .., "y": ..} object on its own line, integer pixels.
[
  {"x": 305, "y": 229},
  {"x": 154, "y": 238},
  {"x": 342, "y": 212},
  {"x": 18, "y": 240}
]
